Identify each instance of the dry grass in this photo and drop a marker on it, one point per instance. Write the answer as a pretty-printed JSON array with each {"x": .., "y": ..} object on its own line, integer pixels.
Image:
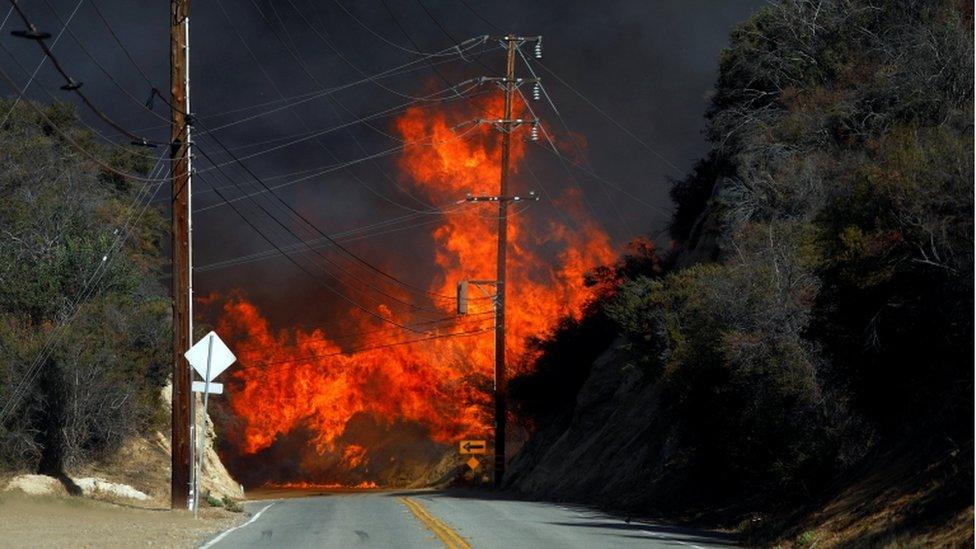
[{"x": 898, "y": 502}]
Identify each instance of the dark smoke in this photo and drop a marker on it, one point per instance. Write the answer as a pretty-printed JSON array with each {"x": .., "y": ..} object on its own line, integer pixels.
[{"x": 648, "y": 64}]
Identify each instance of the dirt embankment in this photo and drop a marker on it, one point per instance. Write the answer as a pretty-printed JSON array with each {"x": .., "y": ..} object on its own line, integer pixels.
[{"x": 125, "y": 501}]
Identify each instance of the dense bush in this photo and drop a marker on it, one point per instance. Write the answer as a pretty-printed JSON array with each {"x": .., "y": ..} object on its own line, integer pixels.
[
  {"x": 84, "y": 313},
  {"x": 821, "y": 301}
]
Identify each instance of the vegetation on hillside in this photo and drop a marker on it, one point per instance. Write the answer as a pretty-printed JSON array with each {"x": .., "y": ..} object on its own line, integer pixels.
[
  {"x": 80, "y": 303},
  {"x": 818, "y": 304}
]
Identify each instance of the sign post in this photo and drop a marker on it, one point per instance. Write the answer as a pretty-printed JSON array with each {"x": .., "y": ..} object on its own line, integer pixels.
[{"x": 209, "y": 357}]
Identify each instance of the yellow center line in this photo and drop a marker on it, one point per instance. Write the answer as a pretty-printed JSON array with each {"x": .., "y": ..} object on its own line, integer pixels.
[{"x": 451, "y": 539}]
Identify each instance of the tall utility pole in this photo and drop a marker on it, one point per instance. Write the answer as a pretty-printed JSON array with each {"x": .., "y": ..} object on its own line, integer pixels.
[
  {"x": 501, "y": 287},
  {"x": 179, "y": 31},
  {"x": 506, "y": 125}
]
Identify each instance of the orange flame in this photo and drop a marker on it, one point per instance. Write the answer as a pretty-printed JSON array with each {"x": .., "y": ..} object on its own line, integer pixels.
[
  {"x": 364, "y": 485},
  {"x": 433, "y": 382}
]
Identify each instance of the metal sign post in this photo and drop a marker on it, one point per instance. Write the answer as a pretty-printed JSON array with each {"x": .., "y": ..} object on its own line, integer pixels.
[
  {"x": 209, "y": 357},
  {"x": 201, "y": 430}
]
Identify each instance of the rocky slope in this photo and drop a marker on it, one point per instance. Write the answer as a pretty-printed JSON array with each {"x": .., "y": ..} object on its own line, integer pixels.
[
  {"x": 617, "y": 450},
  {"x": 612, "y": 449}
]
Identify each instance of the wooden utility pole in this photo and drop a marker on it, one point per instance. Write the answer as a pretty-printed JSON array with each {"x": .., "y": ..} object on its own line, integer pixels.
[
  {"x": 501, "y": 287},
  {"x": 180, "y": 166}
]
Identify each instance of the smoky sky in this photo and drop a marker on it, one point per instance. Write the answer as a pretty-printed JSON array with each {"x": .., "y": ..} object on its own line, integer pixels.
[{"x": 649, "y": 64}]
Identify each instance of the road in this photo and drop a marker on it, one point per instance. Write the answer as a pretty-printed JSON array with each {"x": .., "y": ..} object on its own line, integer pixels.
[{"x": 457, "y": 520}]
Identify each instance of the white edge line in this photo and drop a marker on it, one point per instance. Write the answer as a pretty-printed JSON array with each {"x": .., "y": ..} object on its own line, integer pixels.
[
  {"x": 225, "y": 532},
  {"x": 657, "y": 535}
]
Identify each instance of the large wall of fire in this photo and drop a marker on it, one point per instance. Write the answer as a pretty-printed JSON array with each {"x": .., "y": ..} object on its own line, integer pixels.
[{"x": 294, "y": 380}]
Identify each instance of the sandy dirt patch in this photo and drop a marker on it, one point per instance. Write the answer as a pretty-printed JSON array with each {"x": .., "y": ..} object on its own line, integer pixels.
[{"x": 51, "y": 521}]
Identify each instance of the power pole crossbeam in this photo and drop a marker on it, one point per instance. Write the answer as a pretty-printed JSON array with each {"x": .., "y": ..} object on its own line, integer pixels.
[{"x": 180, "y": 166}]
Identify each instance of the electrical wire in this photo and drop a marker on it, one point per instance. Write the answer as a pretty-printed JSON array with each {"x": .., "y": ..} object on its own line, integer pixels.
[
  {"x": 610, "y": 118},
  {"x": 350, "y": 352},
  {"x": 294, "y": 54},
  {"x": 289, "y": 231},
  {"x": 569, "y": 172},
  {"x": 455, "y": 319},
  {"x": 302, "y": 98},
  {"x": 460, "y": 47},
  {"x": 94, "y": 131},
  {"x": 380, "y": 36},
  {"x": 88, "y": 289},
  {"x": 380, "y": 154},
  {"x": 75, "y": 87},
  {"x": 317, "y": 242},
  {"x": 479, "y": 16},
  {"x": 310, "y": 134},
  {"x": 132, "y": 60},
  {"x": 336, "y": 104},
  {"x": 252, "y": 144},
  {"x": 64, "y": 27},
  {"x": 322, "y": 234},
  {"x": 20, "y": 93},
  {"x": 100, "y": 66},
  {"x": 603, "y": 180},
  {"x": 258, "y": 256}
]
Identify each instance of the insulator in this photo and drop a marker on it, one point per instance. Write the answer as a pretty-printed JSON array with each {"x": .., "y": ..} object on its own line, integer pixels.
[
  {"x": 32, "y": 34},
  {"x": 536, "y": 92},
  {"x": 538, "y": 49},
  {"x": 534, "y": 132}
]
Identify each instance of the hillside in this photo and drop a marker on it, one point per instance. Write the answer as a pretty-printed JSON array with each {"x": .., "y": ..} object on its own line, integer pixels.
[
  {"x": 799, "y": 364},
  {"x": 84, "y": 320}
]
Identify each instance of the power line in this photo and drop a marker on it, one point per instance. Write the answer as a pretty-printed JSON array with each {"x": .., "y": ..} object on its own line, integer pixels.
[
  {"x": 128, "y": 54},
  {"x": 403, "y": 108},
  {"x": 302, "y": 98},
  {"x": 273, "y": 217},
  {"x": 295, "y": 54},
  {"x": 20, "y": 93},
  {"x": 321, "y": 233},
  {"x": 580, "y": 94},
  {"x": 378, "y": 35},
  {"x": 479, "y": 16},
  {"x": 471, "y": 42},
  {"x": 610, "y": 118},
  {"x": 346, "y": 236},
  {"x": 94, "y": 131},
  {"x": 612, "y": 185},
  {"x": 64, "y": 27},
  {"x": 310, "y": 134},
  {"x": 375, "y": 347},
  {"x": 436, "y": 22},
  {"x": 70, "y": 84},
  {"x": 132, "y": 60},
  {"x": 257, "y": 256},
  {"x": 336, "y": 101},
  {"x": 98, "y": 64},
  {"x": 410, "y": 39},
  {"x": 477, "y": 59},
  {"x": 569, "y": 172},
  {"x": 87, "y": 290},
  {"x": 379, "y": 154},
  {"x": 428, "y": 324}
]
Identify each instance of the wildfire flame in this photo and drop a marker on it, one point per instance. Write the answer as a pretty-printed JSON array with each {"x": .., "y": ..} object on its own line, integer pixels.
[{"x": 296, "y": 378}]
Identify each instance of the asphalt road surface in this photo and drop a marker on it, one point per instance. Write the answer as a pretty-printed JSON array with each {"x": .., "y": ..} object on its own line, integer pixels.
[{"x": 462, "y": 520}]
